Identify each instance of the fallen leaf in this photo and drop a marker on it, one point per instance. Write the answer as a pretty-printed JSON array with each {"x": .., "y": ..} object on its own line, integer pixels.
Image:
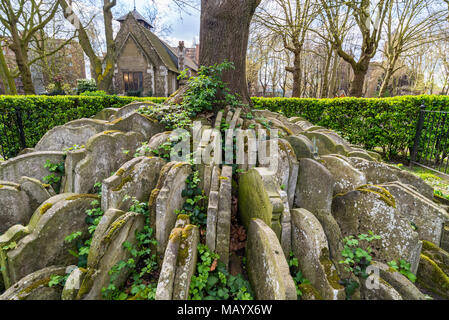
[{"x": 214, "y": 265}]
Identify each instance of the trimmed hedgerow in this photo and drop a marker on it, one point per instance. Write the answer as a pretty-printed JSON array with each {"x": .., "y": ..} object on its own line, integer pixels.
[
  {"x": 38, "y": 114},
  {"x": 388, "y": 123}
]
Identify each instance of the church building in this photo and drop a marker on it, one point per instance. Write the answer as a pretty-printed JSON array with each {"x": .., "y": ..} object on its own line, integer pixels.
[{"x": 146, "y": 64}]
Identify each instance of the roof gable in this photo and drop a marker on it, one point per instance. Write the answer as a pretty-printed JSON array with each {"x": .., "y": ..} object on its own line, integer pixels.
[{"x": 139, "y": 33}]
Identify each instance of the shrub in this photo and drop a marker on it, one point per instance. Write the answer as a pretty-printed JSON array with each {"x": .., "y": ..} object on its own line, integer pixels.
[
  {"x": 389, "y": 123},
  {"x": 85, "y": 85},
  {"x": 30, "y": 117}
]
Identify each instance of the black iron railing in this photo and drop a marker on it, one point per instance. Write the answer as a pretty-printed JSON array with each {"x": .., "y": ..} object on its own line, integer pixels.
[
  {"x": 431, "y": 145},
  {"x": 12, "y": 133}
]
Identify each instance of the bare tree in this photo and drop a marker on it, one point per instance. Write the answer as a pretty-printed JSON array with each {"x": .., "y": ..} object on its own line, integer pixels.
[
  {"x": 22, "y": 20},
  {"x": 369, "y": 17},
  {"x": 290, "y": 21},
  {"x": 101, "y": 67},
  {"x": 409, "y": 24}
]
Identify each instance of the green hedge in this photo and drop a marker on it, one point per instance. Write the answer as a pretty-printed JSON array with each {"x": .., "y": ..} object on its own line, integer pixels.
[
  {"x": 41, "y": 113},
  {"x": 388, "y": 123}
]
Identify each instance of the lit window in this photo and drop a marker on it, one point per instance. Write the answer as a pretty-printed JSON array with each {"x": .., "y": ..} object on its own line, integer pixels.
[{"x": 133, "y": 81}]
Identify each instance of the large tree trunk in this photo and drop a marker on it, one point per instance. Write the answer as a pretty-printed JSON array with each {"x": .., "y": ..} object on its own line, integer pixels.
[
  {"x": 360, "y": 70},
  {"x": 224, "y": 35},
  {"x": 325, "y": 77},
  {"x": 25, "y": 72},
  {"x": 333, "y": 82},
  {"x": 296, "y": 73},
  {"x": 20, "y": 51},
  {"x": 5, "y": 73}
]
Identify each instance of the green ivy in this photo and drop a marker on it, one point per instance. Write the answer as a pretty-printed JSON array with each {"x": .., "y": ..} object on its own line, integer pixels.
[
  {"x": 193, "y": 205},
  {"x": 216, "y": 284},
  {"x": 298, "y": 277},
  {"x": 54, "y": 179},
  {"x": 403, "y": 267},
  {"x": 93, "y": 218},
  {"x": 357, "y": 257},
  {"x": 141, "y": 265}
]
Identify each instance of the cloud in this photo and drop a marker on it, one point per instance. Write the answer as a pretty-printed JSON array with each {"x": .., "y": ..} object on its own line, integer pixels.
[{"x": 185, "y": 24}]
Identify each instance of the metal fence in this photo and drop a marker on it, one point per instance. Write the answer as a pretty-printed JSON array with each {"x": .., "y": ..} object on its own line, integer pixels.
[
  {"x": 12, "y": 133},
  {"x": 431, "y": 145}
]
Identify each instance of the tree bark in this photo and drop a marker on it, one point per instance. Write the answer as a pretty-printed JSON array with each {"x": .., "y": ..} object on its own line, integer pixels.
[
  {"x": 224, "y": 35},
  {"x": 357, "y": 82},
  {"x": 103, "y": 76},
  {"x": 360, "y": 70},
  {"x": 325, "y": 84},
  {"x": 385, "y": 82},
  {"x": 21, "y": 55},
  {"x": 296, "y": 73},
  {"x": 8, "y": 79},
  {"x": 333, "y": 84}
]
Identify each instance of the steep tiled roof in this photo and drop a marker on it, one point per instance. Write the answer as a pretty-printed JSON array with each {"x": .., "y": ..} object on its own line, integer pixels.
[
  {"x": 161, "y": 49},
  {"x": 137, "y": 16}
]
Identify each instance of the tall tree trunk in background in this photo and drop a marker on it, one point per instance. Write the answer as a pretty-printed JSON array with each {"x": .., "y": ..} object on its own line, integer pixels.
[
  {"x": 296, "y": 72},
  {"x": 224, "y": 35},
  {"x": 360, "y": 70},
  {"x": 20, "y": 50},
  {"x": 388, "y": 75},
  {"x": 325, "y": 86},
  {"x": 102, "y": 69},
  {"x": 7, "y": 77},
  {"x": 333, "y": 81}
]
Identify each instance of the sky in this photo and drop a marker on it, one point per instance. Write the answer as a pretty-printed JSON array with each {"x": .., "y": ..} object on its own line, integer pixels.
[{"x": 185, "y": 24}]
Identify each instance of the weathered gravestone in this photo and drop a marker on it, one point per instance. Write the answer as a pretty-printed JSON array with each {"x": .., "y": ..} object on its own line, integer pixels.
[{"x": 267, "y": 267}]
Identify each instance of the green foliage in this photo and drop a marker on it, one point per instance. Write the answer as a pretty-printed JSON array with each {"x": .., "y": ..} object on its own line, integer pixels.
[
  {"x": 357, "y": 254},
  {"x": 193, "y": 205},
  {"x": 38, "y": 114},
  {"x": 207, "y": 91},
  {"x": 93, "y": 217},
  {"x": 141, "y": 265},
  {"x": 212, "y": 283},
  {"x": 296, "y": 274},
  {"x": 54, "y": 179},
  {"x": 389, "y": 123},
  {"x": 98, "y": 93},
  {"x": 357, "y": 257},
  {"x": 84, "y": 85},
  {"x": 57, "y": 280},
  {"x": 403, "y": 267},
  {"x": 176, "y": 117}
]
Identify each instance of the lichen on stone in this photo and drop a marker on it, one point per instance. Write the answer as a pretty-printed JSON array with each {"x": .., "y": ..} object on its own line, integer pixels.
[
  {"x": 124, "y": 181},
  {"x": 111, "y": 131},
  {"x": 33, "y": 286},
  {"x": 82, "y": 196},
  {"x": 45, "y": 208},
  {"x": 330, "y": 270},
  {"x": 114, "y": 227},
  {"x": 383, "y": 193},
  {"x": 116, "y": 120}
]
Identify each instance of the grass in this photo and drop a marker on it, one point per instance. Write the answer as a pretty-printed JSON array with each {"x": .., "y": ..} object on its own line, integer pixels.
[{"x": 440, "y": 184}]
